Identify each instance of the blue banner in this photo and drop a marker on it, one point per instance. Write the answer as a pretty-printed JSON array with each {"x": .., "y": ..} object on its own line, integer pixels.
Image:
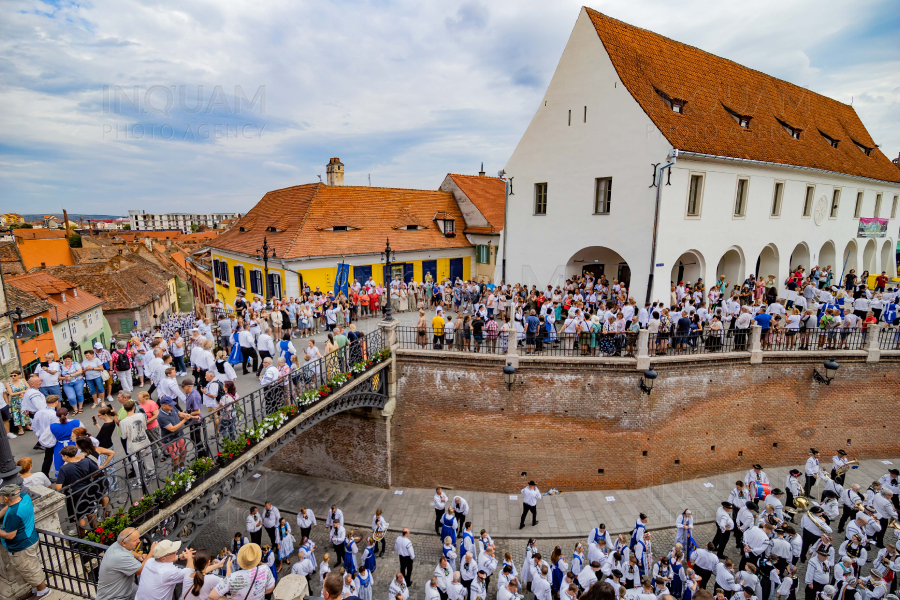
[{"x": 341, "y": 280}]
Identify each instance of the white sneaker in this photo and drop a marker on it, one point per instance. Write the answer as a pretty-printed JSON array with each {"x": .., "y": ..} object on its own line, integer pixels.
[
  {"x": 11, "y": 435},
  {"x": 43, "y": 593},
  {"x": 110, "y": 400}
]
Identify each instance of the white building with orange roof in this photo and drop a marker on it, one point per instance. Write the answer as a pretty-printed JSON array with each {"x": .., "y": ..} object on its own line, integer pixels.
[{"x": 766, "y": 175}]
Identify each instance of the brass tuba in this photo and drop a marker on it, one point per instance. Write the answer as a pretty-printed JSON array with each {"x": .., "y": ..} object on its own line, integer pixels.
[
  {"x": 823, "y": 527},
  {"x": 851, "y": 464},
  {"x": 801, "y": 505},
  {"x": 894, "y": 525}
]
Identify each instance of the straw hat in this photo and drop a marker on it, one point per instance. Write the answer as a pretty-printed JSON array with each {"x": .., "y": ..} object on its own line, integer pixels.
[
  {"x": 249, "y": 556},
  {"x": 165, "y": 547}
]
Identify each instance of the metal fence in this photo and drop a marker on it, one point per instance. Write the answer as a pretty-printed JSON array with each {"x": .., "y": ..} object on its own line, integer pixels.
[
  {"x": 71, "y": 565},
  {"x": 813, "y": 339},
  {"x": 489, "y": 342},
  {"x": 697, "y": 342},
  {"x": 889, "y": 338},
  {"x": 142, "y": 471}
]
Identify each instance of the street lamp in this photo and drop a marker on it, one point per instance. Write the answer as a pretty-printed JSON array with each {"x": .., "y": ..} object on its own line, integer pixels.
[
  {"x": 388, "y": 256},
  {"x": 509, "y": 375},
  {"x": 647, "y": 381},
  {"x": 831, "y": 368},
  {"x": 265, "y": 258},
  {"x": 9, "y": 470}
]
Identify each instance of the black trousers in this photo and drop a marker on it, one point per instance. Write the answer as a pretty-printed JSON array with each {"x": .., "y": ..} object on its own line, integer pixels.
[
  {"x": 738, "y": 534},
  {"x": 152, "y": 388},
  {"x": 808, "y": 485},
  {"x": 438, "y": 515},
  {"x": 406, "y": 569},
  {"x": 815, "y": 589},
  {"x": 721, "y": 542},
  {"x": 879, "y": 537},
  {"x": 339, "y": 553},
  {"x": 256, "y": 537},
  {"x": 199, "y": 378},
  {"x": 704, "y": 576},
  {"x": 48, "y": 462},
  {"x": 263, "y": 354},
  {"x": 442, "y": 594},
  {"x": 808, "y": 540},
  {"x": 304, "y": 532},
  {"x": 249, "y": 353},
  {"x": 849, "y": 513},
  {"x": 272, "y": 537},
  {"x": 467, "y": 583},
  {"x": 461, "y": 520},
  {"x": 528, "y": 509},
  {"x": 383, "y": 543}
]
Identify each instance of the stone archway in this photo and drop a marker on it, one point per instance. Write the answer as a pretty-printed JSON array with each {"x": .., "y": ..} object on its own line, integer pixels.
[
  {"x": 869, "y": 253},
  {"x": 767, "y": 263},
  {"x": 800, "y": 258},
  {"x": 827, "y": 256},
  {"x": 690, "y": 266},
  {"x": 887, "y": 258},
  {"x": 848, "y": 261},
  {"x": 598, "y": 260},
  {"x": 732, "y": 266}
]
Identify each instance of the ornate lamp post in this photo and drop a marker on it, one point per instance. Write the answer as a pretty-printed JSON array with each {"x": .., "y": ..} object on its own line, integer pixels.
[
  {"x": 388, "y": 256},
  {"x": 265, "y": 258}
]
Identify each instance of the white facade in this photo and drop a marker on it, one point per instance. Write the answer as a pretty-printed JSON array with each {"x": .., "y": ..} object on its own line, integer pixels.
[
  {"x": 589, "y": 126},
  {"x": 143, "y": 221}
]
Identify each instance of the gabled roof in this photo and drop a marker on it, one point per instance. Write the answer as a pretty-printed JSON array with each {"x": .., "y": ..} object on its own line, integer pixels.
[
  {"x": 302, "y": 217},
  {"x": 653, "y": 67},
  {"x": 97, "y": 254},
  {"x": 11, "y": 259},
  {"x": 39, "y": 234},
  {"x": 488, "y": 194},
  {"x": 30, "y": 304},
  {"x": 50, "y": 289}
]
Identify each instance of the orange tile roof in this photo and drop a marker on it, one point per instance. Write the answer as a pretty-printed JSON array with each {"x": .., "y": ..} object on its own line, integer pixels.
[
  {"x": 50, "y": 288},
  {"x": 200, "y": 236},
  {"x": 649, "y": 64},
  {"x": 301, "y": 215},
  {"x": 39, "y": 234},
  {"x": 132, "y": 236},
  {"x": 488, "y": 194}
]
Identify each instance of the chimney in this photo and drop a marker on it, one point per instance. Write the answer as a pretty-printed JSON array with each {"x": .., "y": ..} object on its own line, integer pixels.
[
  {"x": 481, "y": 172},
  {"x": 334, "y": 171}
]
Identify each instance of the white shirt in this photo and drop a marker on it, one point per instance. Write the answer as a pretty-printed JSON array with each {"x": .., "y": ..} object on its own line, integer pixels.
[
  {"x": 264, "y": 343},
  {"x": 245, "y": 339},
  {"x": 270, "y": 375},
  {"x": 169, "y": 388},
  {"x": 337, "y": 515},
  {"x": 43, "y": 419},
  {"x": 273, "y": 516},
  {"x": 47, "y": 378},
  {"x": 398, "y": 588},
  {"x": 209, "y": 582},
  {"x": 540, "y": 587},
  {"x": 812, "y": 466},
  {"x": 404, "y": 547},
  {"x": 33, "y": 401},
  {"x": 439, "y": 501},
  {"x": 309, "y": 521},
  {"x": 586, "y": 578},
  {"x": 530, "y": 497},
  {"x": 158, "y": 580},
  {"x": 254, "y": 523}
]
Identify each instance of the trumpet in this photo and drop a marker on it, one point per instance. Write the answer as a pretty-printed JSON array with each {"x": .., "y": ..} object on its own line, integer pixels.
[
  {"x": 851, "y": 464},
  {"x": 824, "y": 476}
]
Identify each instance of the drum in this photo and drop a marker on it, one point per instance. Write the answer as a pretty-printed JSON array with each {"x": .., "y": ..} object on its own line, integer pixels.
[
  {"x": 760, "y": 490},
  {"x": 377, "y": 536}
]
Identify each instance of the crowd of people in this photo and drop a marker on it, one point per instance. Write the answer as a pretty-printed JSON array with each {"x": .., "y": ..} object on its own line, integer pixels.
[{"x": 774, "y": 531}]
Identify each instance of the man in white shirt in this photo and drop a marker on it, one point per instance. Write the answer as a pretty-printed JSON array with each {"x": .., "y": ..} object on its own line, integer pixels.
[
  {"x": 254, "y": 526},
  {"x": 248, "y": 349},
  {"x": 488, "y": 564},
  {"x": 510, "y": 591},
  {"x": 269, "y": 373},
  {"x": 588, "y": 575},
  {"x": 439, "y": 502},
  {"x": 460, "y": 509},
  {"x": 335, "y": 514},
  {"x": 169, "y": 388},
  {"x": 398, "y": 586},
  {"x": 40, "y": 422},
  {"x": 49, "y": 375},
  {"x": 404, "y": 548},
  {"x": 176, "y": 349},
  {"x": 530, "y": 496},
  {"x": 160, "y": 575},
  {"x": 265, "y": 346},
  {"x": 33, "y": 399},
  {"x": 540, "y": 587}
]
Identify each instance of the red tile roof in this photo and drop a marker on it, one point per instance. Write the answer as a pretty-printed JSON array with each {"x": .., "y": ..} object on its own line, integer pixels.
[
  {"x": 652, "y": 66},
  {"x": 488, "y": 194},
  {"x": 39, "y": 234},
  {"x": 200, "y": 236},
  {"x": 296, "y": 221},
  {"x": 50, "y": 289}
]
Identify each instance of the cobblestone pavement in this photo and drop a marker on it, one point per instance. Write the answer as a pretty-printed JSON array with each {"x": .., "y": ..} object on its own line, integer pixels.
[{"x": 231, "y": 518}]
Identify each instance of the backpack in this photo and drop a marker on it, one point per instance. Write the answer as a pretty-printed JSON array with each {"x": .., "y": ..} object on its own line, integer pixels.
[
  {"x": 220, "y": 392},
  {"x": 121, "y": 362}
]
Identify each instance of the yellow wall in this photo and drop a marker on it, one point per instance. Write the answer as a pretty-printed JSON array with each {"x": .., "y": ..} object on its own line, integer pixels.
[{"x": 324, "y": 277}]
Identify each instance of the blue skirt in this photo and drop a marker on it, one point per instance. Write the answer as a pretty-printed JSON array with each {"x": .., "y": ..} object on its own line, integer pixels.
[
  {"x": 349, "y": 563},
  {"x": 448, "y": 531},
  {"x": 370, "y": 562},
  {"x": 236, "y": 357}
]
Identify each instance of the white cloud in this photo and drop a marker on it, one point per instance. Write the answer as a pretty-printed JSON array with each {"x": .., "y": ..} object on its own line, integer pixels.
[{"x": 404, "y": 90}]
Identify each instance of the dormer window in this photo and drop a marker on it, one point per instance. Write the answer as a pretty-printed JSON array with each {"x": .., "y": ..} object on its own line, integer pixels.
[
  {"x": 831, "y": 141},
  {"x": 75, "y": 292},
  {"x": 449, "y": 227},
  {"x": 242, "y": 229},
  {"x": 864, "y": 149},
  {"x": 413, "y": 228},
  {"x": 446, "y": 223},
  {"x": 63, "y": 296},
  {"x": 676, "y": 104},
  {"x": 742, "y": 120},
  {"x": 272, "y": 229}
]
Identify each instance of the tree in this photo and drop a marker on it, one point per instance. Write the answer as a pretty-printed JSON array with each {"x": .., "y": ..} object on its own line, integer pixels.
[
  {"x": 21, "y": 226},
  {"x": 126, "y": 227},
  {"x": 195, "y": 228},
  {"x": 75, "y": 241}
]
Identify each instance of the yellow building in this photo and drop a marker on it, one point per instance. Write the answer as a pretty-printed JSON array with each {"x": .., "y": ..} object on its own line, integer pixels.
[{"x": 312, "y": 228}]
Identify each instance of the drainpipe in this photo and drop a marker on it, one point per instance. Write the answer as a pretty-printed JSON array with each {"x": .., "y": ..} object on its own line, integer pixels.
[
  {"x": 659, "y": 176},
  {"x": 505, "y": 222}
]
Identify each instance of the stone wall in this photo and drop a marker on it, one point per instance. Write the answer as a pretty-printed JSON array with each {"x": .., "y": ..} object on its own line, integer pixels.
[
  {"x": 587, "y": 426},
  {"x": 350, "y": 446}
]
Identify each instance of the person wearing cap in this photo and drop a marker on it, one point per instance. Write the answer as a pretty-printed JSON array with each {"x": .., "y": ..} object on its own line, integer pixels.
[
  {"x": 172, "y": 422},
  {"x": 812, "y": 471},
  {"x": 850, "y": 497},
  {"x": 746, "y": 517},
  {"x": 838, "y": 461},
  {"x": 253, "y": 581},
  {"x": 792, "y": 488},
  {"x": 827, "y": 593},
  {"x": 780, "y": 550},
  {"x": 160, "y": 575},
  {"x": 818, "y": 573},
  {"x": 875, "y": 585},
  {"x": 753, "y": 476},
  {"x": 530, "y": 496},
  {"x": 19, "y": 536}
]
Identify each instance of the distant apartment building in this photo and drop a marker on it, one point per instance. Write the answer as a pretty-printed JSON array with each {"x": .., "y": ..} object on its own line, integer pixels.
[
  {"x": 11, "y": 219},
  {"x": 144, "y": 221}
]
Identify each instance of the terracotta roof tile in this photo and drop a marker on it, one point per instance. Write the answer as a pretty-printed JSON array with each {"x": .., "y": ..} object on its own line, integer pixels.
[
  {"x": 39, "y": 234},
  {"x": 302, "y": 216},
  {"x": 97, "y": 254},
  {"x": 11, "y": 259},
  {"x": 650, "y": 64},
  {"x": 50, "y": 289},
  {"x": 30, "y": 304},
  {"x": 488, "y": 194}
]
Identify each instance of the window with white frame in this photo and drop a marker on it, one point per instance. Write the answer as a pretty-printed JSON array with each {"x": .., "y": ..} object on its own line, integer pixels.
[
  {"x": 602, "y": 195},
  {"x": 5, "y": 352},
  {"x": 857, "y": 210},
  {"x": 90, "y": 319},
  {"x": 695, "y": 196},
  {"x": 65, "y": 333},
  {"x": 835, "y": 202},
  {"x": 877, "y": 205},
  {"x": 740, "y": 198},
  {"x": 777, "y": 196},
  {"x": 808, "y": 200},
  {"x": 894, "y": 207}
]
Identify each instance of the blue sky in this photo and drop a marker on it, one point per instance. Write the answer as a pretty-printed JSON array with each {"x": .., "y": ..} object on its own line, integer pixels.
[{"x": 403, "y": 90}]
